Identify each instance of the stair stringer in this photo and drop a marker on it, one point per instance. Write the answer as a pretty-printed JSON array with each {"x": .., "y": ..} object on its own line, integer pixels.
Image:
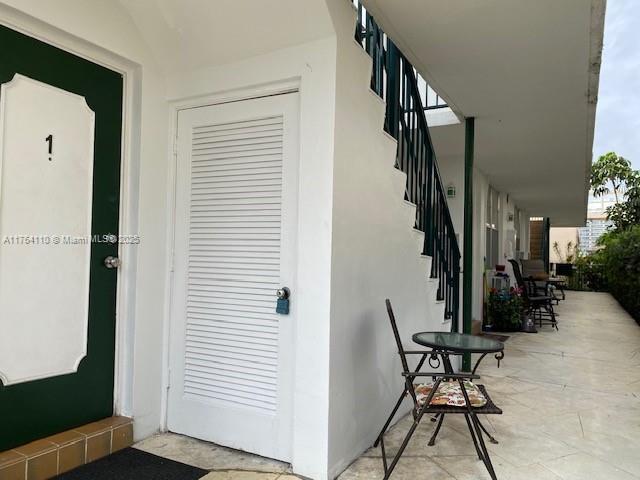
[{"x": 398, "y": 177}]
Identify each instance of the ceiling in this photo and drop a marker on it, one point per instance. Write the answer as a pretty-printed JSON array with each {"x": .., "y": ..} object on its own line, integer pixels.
[
  {"x": 528, "y": 71},
  {"x": 190, "y": 34}
]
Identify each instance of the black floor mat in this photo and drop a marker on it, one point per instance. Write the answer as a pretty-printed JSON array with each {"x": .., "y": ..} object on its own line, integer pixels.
[{"x": 134, "y": 464}]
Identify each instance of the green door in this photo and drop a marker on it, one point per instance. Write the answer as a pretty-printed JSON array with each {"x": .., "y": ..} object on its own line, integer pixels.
[{"x": 40, "y": 394}]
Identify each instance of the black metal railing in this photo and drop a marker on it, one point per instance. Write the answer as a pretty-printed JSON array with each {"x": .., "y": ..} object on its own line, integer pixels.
[
  {"x": 430, "y": 98},
  {"x": 587, "y": 277},
  {"x": 397, "y": 82}
]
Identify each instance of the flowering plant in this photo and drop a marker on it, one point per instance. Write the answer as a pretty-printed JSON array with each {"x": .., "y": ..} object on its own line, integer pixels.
[{"x": 504, "y": 309}]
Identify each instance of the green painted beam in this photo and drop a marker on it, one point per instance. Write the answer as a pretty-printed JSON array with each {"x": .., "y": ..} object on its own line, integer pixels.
[
  {"x": 546, "y": 239},
  {"x": 467, "y": 255}
]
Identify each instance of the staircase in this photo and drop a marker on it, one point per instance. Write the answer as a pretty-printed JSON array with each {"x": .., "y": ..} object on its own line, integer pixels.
[{"x": 396, "y": 81}]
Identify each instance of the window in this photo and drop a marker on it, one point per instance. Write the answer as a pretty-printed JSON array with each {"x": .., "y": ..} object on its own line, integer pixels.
[
  {"x": 493, "y": 210},
  {"x": 516, "y": 227}
]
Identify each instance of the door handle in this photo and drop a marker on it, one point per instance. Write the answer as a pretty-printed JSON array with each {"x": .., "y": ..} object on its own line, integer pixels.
[
  {"x": 283, "y": 293},
  {"x": 112, "y": 262}
]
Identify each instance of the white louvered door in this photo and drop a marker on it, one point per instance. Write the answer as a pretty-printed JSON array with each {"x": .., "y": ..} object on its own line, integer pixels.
[{"x": 231, "y": 358}]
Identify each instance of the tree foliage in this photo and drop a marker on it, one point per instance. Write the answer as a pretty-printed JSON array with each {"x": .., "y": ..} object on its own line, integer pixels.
[
  {"x": 613, "y": 173},
  {"x": 626, "y": 214},
  {"x": 609, "y": 173}
]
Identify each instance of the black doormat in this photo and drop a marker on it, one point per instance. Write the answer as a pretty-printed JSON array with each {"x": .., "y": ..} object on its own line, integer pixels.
[
  {"x": 495, "y": 336},
  {"x": 134, "y": 464}
]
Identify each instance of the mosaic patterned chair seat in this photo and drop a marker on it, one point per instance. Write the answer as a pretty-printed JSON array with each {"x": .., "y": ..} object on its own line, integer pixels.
[{"x": 450, "y": 394}]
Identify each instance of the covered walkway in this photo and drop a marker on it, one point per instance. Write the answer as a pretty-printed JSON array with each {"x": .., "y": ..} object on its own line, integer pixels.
[{"x": 571, "y": 402}]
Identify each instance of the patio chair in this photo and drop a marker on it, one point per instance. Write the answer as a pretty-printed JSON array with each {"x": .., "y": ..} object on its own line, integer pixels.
[
  {"x": 422, "y": 397},
  {"x": 534, "y": 271},
  {"x": 540, "y": 307}
]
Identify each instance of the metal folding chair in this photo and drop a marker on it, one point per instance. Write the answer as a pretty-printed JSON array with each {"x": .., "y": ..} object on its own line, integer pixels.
[{"x": 476, "y": 428}]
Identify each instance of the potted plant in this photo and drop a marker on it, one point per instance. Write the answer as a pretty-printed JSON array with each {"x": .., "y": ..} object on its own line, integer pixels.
[{"x": 504, "y": 309}]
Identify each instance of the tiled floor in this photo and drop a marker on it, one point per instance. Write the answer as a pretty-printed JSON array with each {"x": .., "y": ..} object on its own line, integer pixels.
[{"x": 571, "y": 402}]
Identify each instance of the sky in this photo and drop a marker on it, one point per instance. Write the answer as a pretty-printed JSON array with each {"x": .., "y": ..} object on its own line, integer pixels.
[{"x": 618, "y": 111}]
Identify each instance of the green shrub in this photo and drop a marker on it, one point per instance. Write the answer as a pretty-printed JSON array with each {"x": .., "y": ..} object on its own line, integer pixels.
[
  {"x": 619, "y": 256},
  {"x": 588, "y": 274}
]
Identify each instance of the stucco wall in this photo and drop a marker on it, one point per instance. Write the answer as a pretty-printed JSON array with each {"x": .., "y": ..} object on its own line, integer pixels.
[
  {"x": 480, "y": 192},
  {"x": 562, "y": 236},
  {"x": 375, "y": 255},
  {"x": 452, "y": 173}
]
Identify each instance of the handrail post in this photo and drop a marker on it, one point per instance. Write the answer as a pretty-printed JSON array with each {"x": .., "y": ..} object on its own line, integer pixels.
[
  {"x": 393, "y": 91},
  {"x": 455, "y": 323},
  {"x": 428, "y": 199},
  {"x": 467, "y": 275}
]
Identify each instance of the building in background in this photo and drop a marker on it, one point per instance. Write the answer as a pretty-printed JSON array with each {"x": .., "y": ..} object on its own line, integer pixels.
[
  {"x": 595, "y": 226},
  {"x": 563, "y": 241},
  {"x": 597, "y": 222}
]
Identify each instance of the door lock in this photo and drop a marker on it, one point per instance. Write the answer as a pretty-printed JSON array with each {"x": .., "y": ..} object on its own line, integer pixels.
[
  {"x": 112, "y": 262},
  {"x": 282, "y": 306}
]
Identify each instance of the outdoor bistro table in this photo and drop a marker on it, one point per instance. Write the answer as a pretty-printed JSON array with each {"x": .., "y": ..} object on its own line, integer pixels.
[
  {"x": 560, "y": 284},
  {"x": 447, "y": 344}
]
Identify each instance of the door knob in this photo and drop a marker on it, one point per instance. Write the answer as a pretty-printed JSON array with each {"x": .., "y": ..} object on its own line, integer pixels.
[
  {"x": 283, "y": 293},
  {"x": 111, "y": 262}
]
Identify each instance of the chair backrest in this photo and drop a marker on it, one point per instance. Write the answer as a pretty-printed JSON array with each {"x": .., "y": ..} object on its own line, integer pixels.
[
  {"x": 520, "y": 279},
  {"x": 533, "y": 268},
  {"x": 396, "y": 335},
  {"x": 517, "y": 273}
]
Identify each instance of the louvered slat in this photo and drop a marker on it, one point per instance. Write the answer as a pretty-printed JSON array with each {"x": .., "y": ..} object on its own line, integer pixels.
[{"x": 231, "y": 337}]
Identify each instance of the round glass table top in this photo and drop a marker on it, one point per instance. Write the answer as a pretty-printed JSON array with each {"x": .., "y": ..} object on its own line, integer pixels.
[{"x": 457, "y": 342}]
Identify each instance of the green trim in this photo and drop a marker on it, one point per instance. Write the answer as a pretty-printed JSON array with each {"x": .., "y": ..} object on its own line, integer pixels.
[
  {"x": 546, "y": 239},
  {"x": 467, "y": 269}
]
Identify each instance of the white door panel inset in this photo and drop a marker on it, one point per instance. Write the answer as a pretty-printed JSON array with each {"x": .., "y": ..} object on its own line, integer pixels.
[
  {"x": 231, "y": 354},
  {"x": 46, "y": 178}
]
